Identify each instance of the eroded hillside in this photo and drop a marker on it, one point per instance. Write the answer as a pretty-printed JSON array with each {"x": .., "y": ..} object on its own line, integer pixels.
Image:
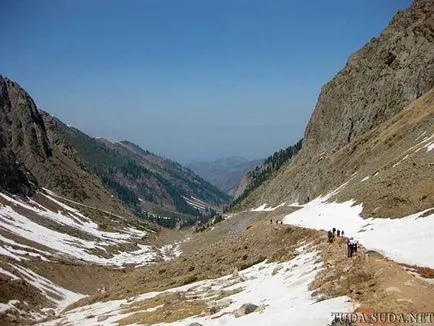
[{"x": 374, "y": 119}]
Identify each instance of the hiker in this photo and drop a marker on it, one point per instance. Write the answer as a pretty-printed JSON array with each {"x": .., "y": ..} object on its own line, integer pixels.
[
  {"x": 338, "y": 232},
  {"x": 355, "y": 244},
  {"x": 342, "y": 233},
  {"x": 350, "y": 248},
  {"x": 281, "y": 222},
  {"x": 277, "y": 222},
  {"x": 330, "y": 236},
  {"x": 271, "y": 221},
  {"x": 334, "y": 230}
]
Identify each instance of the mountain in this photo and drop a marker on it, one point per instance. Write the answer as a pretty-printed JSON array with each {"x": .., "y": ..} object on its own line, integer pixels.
[
  {"x": 38, "y": 150},
  {"x": 270, "y": 260},
  {"x": 142, "y": 180},
  {"x": 33, "y": 156},
  {"x": 225, "y": 173},
  {"x": 370, "y": 126},
  {"x": 265, "y": 171}
]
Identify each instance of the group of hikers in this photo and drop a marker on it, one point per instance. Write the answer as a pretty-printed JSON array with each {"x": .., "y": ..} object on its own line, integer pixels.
[
  {"x": 277, "y": 221},
  {"x": 351, "y": 243}
]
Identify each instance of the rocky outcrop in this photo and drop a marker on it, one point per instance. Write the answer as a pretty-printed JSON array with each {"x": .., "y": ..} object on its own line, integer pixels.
[
  {"x": 23, "y": 141},
  {"x": 369, "y": 127},
  {"x": 33, "y": 154},
  {"x": 378, "y": 81}
]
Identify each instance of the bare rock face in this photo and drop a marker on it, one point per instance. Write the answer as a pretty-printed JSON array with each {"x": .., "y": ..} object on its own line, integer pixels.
[
  {"x": 378, "y": 81},
  {"x": 22, "y": 138},
  {"x": 21, "y": 123},
  {"x": 367, "y": 119}
]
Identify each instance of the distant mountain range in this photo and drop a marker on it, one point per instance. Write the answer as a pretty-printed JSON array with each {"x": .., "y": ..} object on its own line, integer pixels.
[
  {"x": 225, "y": 173},
  {"x": 38, "y": 150}
]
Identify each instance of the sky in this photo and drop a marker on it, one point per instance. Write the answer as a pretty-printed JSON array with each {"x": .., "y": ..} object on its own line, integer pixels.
[{"x": 190, "y": 80}]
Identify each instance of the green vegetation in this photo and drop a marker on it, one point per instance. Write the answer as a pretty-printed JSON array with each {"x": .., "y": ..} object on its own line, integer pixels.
[
  {"x": 133, "y": 175},
  {"x": 264, "y": 172}
]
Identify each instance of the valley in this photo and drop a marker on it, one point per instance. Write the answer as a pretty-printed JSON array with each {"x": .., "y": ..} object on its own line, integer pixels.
[{"x": 101, "y": 232}]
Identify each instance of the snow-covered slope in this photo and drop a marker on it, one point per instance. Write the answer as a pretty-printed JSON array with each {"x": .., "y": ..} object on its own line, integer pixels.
[
  {"x": 280, "y": 290},
  {"x": 90, "y": 244},
  {"x": 38, "y": 232},
  {"x": 404, "y": 240}
]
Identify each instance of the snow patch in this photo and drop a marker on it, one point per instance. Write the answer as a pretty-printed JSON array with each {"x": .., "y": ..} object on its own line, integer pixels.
[
  {"x": 284, "y": 295},
  {"x": 400, "y": 239},
  {"x": 265, "y": 208},
  {"x": 66, "y": 244}
]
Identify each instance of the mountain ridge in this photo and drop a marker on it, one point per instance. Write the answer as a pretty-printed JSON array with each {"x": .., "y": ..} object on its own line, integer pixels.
[
  {"x": 354, "y": 109},
  {"x": 225, "y": 173}
]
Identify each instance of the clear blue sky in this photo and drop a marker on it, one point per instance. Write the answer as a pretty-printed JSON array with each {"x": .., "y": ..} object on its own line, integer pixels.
[{"x": 191, "y": 79}]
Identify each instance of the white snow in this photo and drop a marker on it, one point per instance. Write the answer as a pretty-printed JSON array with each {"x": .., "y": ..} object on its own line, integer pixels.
[
  {"x": 5, "y": 272},
  {"x": 265, "y": 208},
  {"x": 396, "y": 164},
  {"x": 364, "y": 179},
  {"x": 58, "y": 295},
  {"x": 421, "y": 144},
  {"x": 171, "y": 251},
  {"x": 63, "y": 243},
  {"x": 285, "y": 296},
  {"x": 404, "y": 239}
]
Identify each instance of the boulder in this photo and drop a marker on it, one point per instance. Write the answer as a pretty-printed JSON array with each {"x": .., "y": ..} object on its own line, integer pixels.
[{"x": 245, "y": 309}]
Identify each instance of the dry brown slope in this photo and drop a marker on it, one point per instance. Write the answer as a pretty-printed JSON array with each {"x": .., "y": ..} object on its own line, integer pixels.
[
  {"x": 402, "y": 186},
  {"x": 379, "y": 80},
  {"x": 351, "y": 129}
]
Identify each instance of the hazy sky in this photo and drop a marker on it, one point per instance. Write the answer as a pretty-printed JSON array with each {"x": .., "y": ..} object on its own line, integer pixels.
[{"x": 187, "y": 79}]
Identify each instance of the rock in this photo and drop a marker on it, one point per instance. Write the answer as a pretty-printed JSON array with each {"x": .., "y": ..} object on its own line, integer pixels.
[
  {"x": 366, "y": 92},
  {"x": 212, "y": 310},
  {"x": 245, "y": 309},
  {"x": 131, "y": 299},
  {"x": 102, "y": 318},
  {"x": 393, "y": 289},
  {"x": 50, "y": 312}
]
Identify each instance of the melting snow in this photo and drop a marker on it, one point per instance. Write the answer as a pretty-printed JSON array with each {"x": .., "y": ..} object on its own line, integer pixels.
[
  {"x": 284, "y": 296},
  {"x": 14, "y": 222},
  {"x": 265, "y": 208},
  {"x": 402, "y": 239},
  {"x": 48, "y": 288},
  {"x": 5, "y": 272}
]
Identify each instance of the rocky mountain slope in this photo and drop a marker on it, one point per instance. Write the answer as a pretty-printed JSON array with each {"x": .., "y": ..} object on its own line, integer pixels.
[
  {"x": 33, "y": 156},
  {"x": 371, "y": 124},
  {"x": 142, "y": 180},
  {"x": 38, "y": 150},
  {"x": 225, "y": 173}
]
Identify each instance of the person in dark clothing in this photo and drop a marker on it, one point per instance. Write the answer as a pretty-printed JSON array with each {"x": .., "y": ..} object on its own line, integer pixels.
[
  {"x": 349, "y": 248},
  {"x": 338, "y": 233},
  {"x": 334, "y": 230},
  {"x": 355, "y": 244},
  {"x": 271, "y": 221},
  {"x": 330, "y": 236},
  {"x": 342, "y": 233}
]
